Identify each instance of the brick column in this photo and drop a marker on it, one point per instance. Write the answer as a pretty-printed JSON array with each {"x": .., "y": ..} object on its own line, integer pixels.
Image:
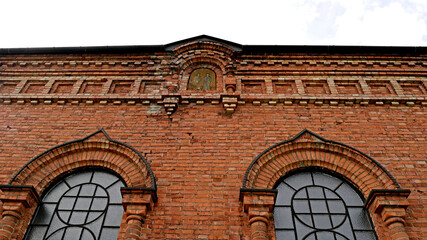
[
  {"x": 136, "y": 203},
  {"x": 19, "y": 202},
  {"x": 391, "y": 206},
  {"x": 259, "y": 207}
]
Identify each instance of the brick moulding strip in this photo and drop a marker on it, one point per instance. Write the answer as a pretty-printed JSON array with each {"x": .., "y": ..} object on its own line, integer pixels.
[{"x": 103, "y": 99}]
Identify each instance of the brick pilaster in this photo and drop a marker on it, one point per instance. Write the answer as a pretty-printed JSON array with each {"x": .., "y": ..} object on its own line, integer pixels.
[
  {"x": 18, "y": 204},
  {"x": 259, "y": 207},
  {"x": 391, "y": 206},
  {"x": 136, "y": 203}
]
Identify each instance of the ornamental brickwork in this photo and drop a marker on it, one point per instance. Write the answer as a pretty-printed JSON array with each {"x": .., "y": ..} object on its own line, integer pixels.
[{"x": 201, "y": 155}]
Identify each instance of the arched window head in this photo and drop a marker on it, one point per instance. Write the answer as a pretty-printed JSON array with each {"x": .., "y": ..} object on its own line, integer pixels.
[
  {"x": 84, "y": 205},
  {"x": 313, "y": 205}
]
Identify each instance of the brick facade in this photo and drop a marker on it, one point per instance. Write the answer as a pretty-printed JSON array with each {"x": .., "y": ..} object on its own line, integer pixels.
[{"x": 202, "y": 164}]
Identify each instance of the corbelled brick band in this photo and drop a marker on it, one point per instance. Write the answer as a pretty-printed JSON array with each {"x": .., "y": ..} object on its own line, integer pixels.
[
  {"x": 136, "y": 202},
  {"x": 19, "y": 203},
  {"x": 259, "y": 207}
]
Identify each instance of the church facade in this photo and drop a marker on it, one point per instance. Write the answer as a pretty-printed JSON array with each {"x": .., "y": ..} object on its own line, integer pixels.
[{"x": 209, "y": 139}]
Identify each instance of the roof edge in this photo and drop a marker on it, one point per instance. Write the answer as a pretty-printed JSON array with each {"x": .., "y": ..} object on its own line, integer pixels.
[{"x": 244, "y": 49}]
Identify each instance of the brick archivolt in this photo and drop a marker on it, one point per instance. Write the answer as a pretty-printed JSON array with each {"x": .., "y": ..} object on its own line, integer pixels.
[
  {"x": 96, "y": 150},
  {"x": 309, "y": 150}
]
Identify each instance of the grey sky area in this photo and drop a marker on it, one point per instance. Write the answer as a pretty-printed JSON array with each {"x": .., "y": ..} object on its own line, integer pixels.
[{"x": 47, "y": 23}]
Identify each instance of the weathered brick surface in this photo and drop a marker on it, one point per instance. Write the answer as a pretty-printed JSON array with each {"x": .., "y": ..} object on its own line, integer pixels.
[{"x": 198, "y": 153}]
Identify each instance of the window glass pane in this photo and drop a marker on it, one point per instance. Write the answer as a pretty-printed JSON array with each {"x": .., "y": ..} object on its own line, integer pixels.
[
  {"x": 94, "y": 226},
  {"x": 56, "y": 235},
  {"x": 350, "y": 197},
  {"x": 288, "y": 235},
  {"x": 299, "y": 180},
  {"x": 322, "y": 221},
  {"x": 318, "y": 206},
  {"x": 336, "y": 206},
  {"x": 84, "y": 177},
  {"x": 283, "y": 217},
  {"x": 73, "y": 233},
  {"x": 311, "y": 236},
  {"x": 325, "y": 235},
  {"x": 302, "y": 229},
  {"x": 44, "y": 213},
  {"x": 359, "y": 219},
  {"x": 113, "y": 210},
  {"x": 103, "y": 178},
  {"x": 55, "y": 224},
  {"x": 109, "y": 233},
  {"x": 365, "y": 235},
  {"x": 78, "y": 208},
  {"x": 315, "y": 192},
  {"x": 88, "y": 190},
  {"x": 56, "y": 192},
  {"x": 323, "y": 179},
  {"x": 345, "y": 229},
  {"x": 37, "y": 232},
  {"x": 301, "y": 206},
  {"x": 284, "y": 195},
  {"x": 87, "y": 234},
  {"x": 115, "y": 198}
]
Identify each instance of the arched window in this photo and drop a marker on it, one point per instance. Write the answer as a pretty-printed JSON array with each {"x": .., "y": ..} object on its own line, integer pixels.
[
  {"x": 83, "y": 205},
  {"x": 313, "y": 205}
]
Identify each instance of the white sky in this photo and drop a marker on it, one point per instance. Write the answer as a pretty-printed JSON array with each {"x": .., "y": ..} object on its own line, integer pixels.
[{"x": 56, "y": 23}]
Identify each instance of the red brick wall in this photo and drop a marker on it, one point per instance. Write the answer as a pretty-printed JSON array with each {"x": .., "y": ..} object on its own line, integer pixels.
[{"x": 199, "y": 153}]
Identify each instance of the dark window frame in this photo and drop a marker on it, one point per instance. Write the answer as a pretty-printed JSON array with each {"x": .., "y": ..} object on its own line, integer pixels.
[
  {"x": 321, "y": 212},
  {"x": 97, "y": 191}
]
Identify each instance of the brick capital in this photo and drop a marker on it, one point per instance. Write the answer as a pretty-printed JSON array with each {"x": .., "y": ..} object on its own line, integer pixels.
[
  {"x": 17, "y": 200},
  {"x": 133, "y": 197},
  {"x": 380, "y": 199},
  {"x": 258, "y": 200},
  {"x": 19, "y": 194}
]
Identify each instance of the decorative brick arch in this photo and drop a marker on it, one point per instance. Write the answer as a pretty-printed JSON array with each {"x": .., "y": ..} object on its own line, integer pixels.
[
  {"x": 95, "y": 150},
  {"x": 21, "y": 196},
  {"x": 385, "y": 200},
  {"x": 211, "y": 55},
  {"x": 307, "y": 149}
]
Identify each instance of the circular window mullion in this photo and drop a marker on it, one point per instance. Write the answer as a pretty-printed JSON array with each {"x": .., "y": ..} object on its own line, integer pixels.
[
  {"x": 81, "y": 204},
  {"x": 322, "y": 207}
]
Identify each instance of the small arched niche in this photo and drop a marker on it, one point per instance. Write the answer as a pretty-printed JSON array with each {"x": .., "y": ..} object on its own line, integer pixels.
[{"x": 202, "y": 79}]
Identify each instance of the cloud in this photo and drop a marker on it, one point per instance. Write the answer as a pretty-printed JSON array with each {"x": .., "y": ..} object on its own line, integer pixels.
[
  {"x": 383, "y": 24},
  {"x": 324, "y": 26}
]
